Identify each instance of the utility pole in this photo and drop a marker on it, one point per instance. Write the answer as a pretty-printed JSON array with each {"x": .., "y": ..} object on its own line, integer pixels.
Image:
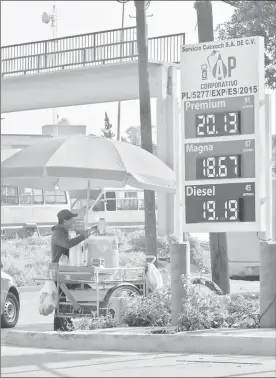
[
  {"x": 218, "y": 240},
  {"x": 121, "y": 53},
  {"x": 46, "y": 19},
  {"x": 145, "y": 120}
]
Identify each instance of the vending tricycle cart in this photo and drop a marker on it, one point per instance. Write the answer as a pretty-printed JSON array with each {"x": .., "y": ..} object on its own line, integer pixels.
[{"x": 84, "y": 290}]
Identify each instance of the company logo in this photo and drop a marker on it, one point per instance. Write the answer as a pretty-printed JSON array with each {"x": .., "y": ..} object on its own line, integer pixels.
[{"x": 216, "y": 68}]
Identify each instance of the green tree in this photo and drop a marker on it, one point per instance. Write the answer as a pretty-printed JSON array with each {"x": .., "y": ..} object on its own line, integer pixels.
[
  {"x": 107, "y": 132},
  {"x": 63, "y": 121},
  {"x": 133, "y": 136},
  {"x": 255, "y": 18}
]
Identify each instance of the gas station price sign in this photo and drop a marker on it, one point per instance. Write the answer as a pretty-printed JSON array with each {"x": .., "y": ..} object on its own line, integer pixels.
[
  {"x": 220, "y": 203},
  {"x": 222, "y": 142},
  {"x": 219, "y": 117},
  {"x": 220, "y": 160}
]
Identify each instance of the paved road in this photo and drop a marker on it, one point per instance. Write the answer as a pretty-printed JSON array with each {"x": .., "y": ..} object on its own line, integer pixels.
[
  {"x": 27, "y": 362},
  {"x": 29, "y": 316}
]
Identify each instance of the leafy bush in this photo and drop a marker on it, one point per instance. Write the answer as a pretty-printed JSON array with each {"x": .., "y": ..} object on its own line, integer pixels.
[
  {"x": 94, "y": 322},
  {"x": 132, "y": 259},
  {"x": 200, "y": 256},
  {"x": 25, "y": 259},
  {"x": 153, "y": 310},
  {"x": 205, "y": 311},
  {"x": 243, "y": 312},
  {"x": 200, "y": 311},
  {"x": 136, "y": 241}
]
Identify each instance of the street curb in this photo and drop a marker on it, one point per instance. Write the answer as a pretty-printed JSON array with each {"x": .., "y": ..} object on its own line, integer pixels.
[{"x": 217, "y": 342}]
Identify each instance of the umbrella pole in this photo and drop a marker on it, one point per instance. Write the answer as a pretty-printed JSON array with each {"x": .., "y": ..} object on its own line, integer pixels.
[{"x": 87, "y": 205}]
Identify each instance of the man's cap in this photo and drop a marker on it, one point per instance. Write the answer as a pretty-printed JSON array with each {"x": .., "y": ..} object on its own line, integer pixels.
[{"x": 65, "y": 214}]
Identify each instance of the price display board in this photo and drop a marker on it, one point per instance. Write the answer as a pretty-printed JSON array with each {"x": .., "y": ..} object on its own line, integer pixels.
[
  {"x": 220, "y": 160},
  {"x": 217, "y": 118},
  {"x": 220, "y": 203},
  {"x": 223, "y": 136}
]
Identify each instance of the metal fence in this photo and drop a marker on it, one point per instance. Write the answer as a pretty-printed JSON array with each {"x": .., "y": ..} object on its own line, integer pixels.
[{"x": 110, "y": 46}]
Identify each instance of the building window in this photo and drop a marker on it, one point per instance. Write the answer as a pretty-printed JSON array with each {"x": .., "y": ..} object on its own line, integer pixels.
[
  {"x": 127, "y": 200},
  {"x": 61, "y": 197},
  {"x": 26, "y": 196},
  {"x": 9, "y": 195},
  {"x": 38, "y": 197},
  {"x": 52, "y": 197}
]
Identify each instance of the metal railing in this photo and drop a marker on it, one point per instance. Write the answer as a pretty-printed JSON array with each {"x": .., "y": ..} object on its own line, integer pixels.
[{"x": 86, "y": 50}]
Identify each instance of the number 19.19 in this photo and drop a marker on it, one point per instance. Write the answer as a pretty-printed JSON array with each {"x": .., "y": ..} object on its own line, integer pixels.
[{"x": 230, "y": 210}]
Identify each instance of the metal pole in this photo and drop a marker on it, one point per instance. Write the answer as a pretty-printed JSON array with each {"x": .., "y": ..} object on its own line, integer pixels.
[
  {"x": 54, "y": 36},
  {"x": 121, "y": 53},
  {"x": 218, "y": 240},
  {"x": 87, "y": 204},
  {"x": 84, "y": 245},
  {"x": 145, "y": 121},
  {"x": 268, "y": 244}
]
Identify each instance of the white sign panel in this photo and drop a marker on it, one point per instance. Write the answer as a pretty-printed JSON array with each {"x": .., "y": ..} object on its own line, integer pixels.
[
  {"x": 228, "y": 68},
  {"x": 222, "y": 91}
]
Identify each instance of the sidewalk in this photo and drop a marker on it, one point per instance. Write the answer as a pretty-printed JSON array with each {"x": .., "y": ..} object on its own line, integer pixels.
[{"x": 261, "y": 342}]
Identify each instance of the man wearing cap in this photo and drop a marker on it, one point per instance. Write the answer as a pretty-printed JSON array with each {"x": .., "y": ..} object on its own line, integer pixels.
[
  {"x": 60, "y": 235},
  {"x": 60, "y": 245}
]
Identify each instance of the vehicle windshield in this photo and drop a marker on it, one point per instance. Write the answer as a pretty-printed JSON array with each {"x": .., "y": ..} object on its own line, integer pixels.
[{"x": 79, "y": 198}]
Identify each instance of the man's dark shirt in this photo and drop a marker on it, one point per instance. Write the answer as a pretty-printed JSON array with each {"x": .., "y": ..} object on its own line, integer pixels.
[{"x": 60, "y": 242}]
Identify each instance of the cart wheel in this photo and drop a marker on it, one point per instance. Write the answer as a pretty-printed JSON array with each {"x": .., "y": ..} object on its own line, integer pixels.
[
  {"x": 117, "y": 292},
  {"x": 121, "y": 291}
]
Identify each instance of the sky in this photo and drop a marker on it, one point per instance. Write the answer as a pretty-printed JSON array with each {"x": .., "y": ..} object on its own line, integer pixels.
[{"x": 21, "y": 22}]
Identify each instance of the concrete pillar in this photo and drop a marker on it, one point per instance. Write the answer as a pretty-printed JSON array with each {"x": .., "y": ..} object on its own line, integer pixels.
[
  {"x": 180, "y": 264},
  {"x": 268, "y": 284},
  {"x": 167, "y": 121}
]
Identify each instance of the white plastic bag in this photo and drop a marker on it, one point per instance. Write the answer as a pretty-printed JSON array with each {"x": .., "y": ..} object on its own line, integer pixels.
[
  {"x": 48, "y": 298},
  {"x": 154, "y": 278}
]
